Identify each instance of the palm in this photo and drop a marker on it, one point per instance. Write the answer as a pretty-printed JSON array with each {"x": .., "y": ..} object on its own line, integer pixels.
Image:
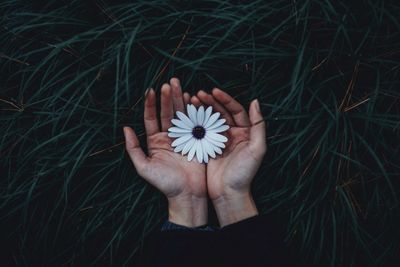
[
  {"x": 181, "y": 181},
  {"x": 170, "y": 172},
  {"x": 233, "y": 170}
]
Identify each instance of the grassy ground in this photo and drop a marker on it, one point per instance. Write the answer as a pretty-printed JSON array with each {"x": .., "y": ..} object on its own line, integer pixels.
[{"x": 72, "y": 73}]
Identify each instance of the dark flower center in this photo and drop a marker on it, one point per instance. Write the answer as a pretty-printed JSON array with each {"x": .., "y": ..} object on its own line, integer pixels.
[{"x": 198, "y": 132}]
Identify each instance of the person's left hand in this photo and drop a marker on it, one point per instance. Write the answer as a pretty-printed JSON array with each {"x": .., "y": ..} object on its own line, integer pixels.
[
  {"x": 183, "y": 182},
  {"x": 229, "y": 176}
]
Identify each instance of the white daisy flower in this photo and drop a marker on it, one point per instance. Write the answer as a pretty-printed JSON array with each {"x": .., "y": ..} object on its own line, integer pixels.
[{"x": 199, "y": 133}]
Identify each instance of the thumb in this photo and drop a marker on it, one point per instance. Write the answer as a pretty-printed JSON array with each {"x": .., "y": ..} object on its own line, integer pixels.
[
  {"x": 135, "y": 152},
  {"x": 258, "y": 141}
]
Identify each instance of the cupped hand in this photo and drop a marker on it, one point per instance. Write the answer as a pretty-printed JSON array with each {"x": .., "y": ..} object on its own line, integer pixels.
[
  {"x": 183, "y": 182},
  {"x": 229, "y": 176}
]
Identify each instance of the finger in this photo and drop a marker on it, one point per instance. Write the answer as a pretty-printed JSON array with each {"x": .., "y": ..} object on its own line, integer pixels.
[
  {"x": 217, "y": 107},
  {"x": 186, "y": 99},
  {"x": 177, "y": 95},
  {"x": 258, "y": 140},
  {"x": 195, "y": 101},
  {"x": 167, "y": 112},
  {"x": 134, "y": 150},
  {"x": 150, "y": 115},
  {"x": 235, "y": 108}
]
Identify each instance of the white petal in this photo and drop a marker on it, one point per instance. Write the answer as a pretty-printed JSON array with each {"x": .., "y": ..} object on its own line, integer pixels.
[
  {"x": 205, "y": 157},
  {"x": 181, "y": 140},
  {"x": 188, "y": 145},
  {"x": 200, "y": 115},
  {"x": 215, "y": 143},
  {"x": 207, "y": 115},
  {"x": 181, "y": 124},
  {"x": 208, "y": 147},
  {"x": 216, "y": 124},
  {"x": 178, "y": 130},
  {"x": 179, "y": 148},
  {"x": 212, "y": 119},
  {"x": 218, "y": 150},
  {"x": 191, "y": 109},
  {"x": 216, "y": 137},
  {"x": 185, "y": 119},
  {"x": 199, "y": 152},
  {"x": 219, "y": 129},
  {"x": 174, "y": 135},
  {"x": 192, "y": 151}
]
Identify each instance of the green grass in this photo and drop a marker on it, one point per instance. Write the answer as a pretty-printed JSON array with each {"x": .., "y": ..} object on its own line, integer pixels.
[{"x": 72, "y": 73}]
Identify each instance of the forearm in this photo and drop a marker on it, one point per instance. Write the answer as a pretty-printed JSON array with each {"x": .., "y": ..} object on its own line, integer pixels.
[
  {"x": 234, "y": 207},
  {"x": 190, "y": 211}
]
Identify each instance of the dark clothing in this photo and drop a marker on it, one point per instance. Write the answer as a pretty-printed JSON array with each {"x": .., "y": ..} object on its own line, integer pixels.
[{"x": 253, "y": 242}]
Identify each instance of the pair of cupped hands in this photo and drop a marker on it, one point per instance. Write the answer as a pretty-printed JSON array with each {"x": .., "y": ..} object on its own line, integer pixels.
[{"x": 226, "y": 179}]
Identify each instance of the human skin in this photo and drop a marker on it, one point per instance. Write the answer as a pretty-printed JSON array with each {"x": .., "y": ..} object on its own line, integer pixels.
[
  {"x": 181, "y": 181},
  {"x": 229, "y": 176},
  {"x": 225, "y": 179}
]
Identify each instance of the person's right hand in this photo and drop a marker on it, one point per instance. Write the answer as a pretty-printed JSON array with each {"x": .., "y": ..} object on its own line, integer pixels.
[
  {"x": 229, "y": 176},
  {"x": 182, "y": 182}
]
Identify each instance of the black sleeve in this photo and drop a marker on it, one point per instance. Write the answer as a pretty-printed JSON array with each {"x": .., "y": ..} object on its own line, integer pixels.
[
  {"x": 256, "y": 241},
  {"x": 176, "y": 248}
]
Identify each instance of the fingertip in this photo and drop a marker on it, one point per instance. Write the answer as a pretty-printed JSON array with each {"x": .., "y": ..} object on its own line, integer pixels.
[
  {"x": 202, "y": 94},
  {"x": 195, "y": 101},
  {"x": 150, "y": 97},
  {"x": 165, "y": 88},
  {"x": 151, "y": 93},
  {"x": 253, "y": 103},
  {"x": 254, "y": 112},
  {"x": 134, "y": 150},
  {"x": 186, "y": 98},
  {"x": 176, "y": 86},
  {"x": 216, "y": 90},
  {"x": 258, "y": 143},
  {"x": 148, "y": 92},
  {"x": 255, "y": 107},
  {"x": 130, "y": 137},
  {"x": 166, "y": 91},
  {"x": 174, "y": 81},
  {"x": 221, "y": 95},
  {"x": 125, "y": 129}
]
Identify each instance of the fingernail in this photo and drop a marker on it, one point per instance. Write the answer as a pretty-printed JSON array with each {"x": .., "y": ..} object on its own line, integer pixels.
[
  {"x": 258, "y": 106},
  {"x": 146, "y": 92},
  {"x": 174, "y": 80}
]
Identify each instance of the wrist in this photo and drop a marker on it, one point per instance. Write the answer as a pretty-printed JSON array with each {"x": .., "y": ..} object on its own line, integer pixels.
[
  {"x": 234, "y": 207},
  {"x": 189, "y": 211}
]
